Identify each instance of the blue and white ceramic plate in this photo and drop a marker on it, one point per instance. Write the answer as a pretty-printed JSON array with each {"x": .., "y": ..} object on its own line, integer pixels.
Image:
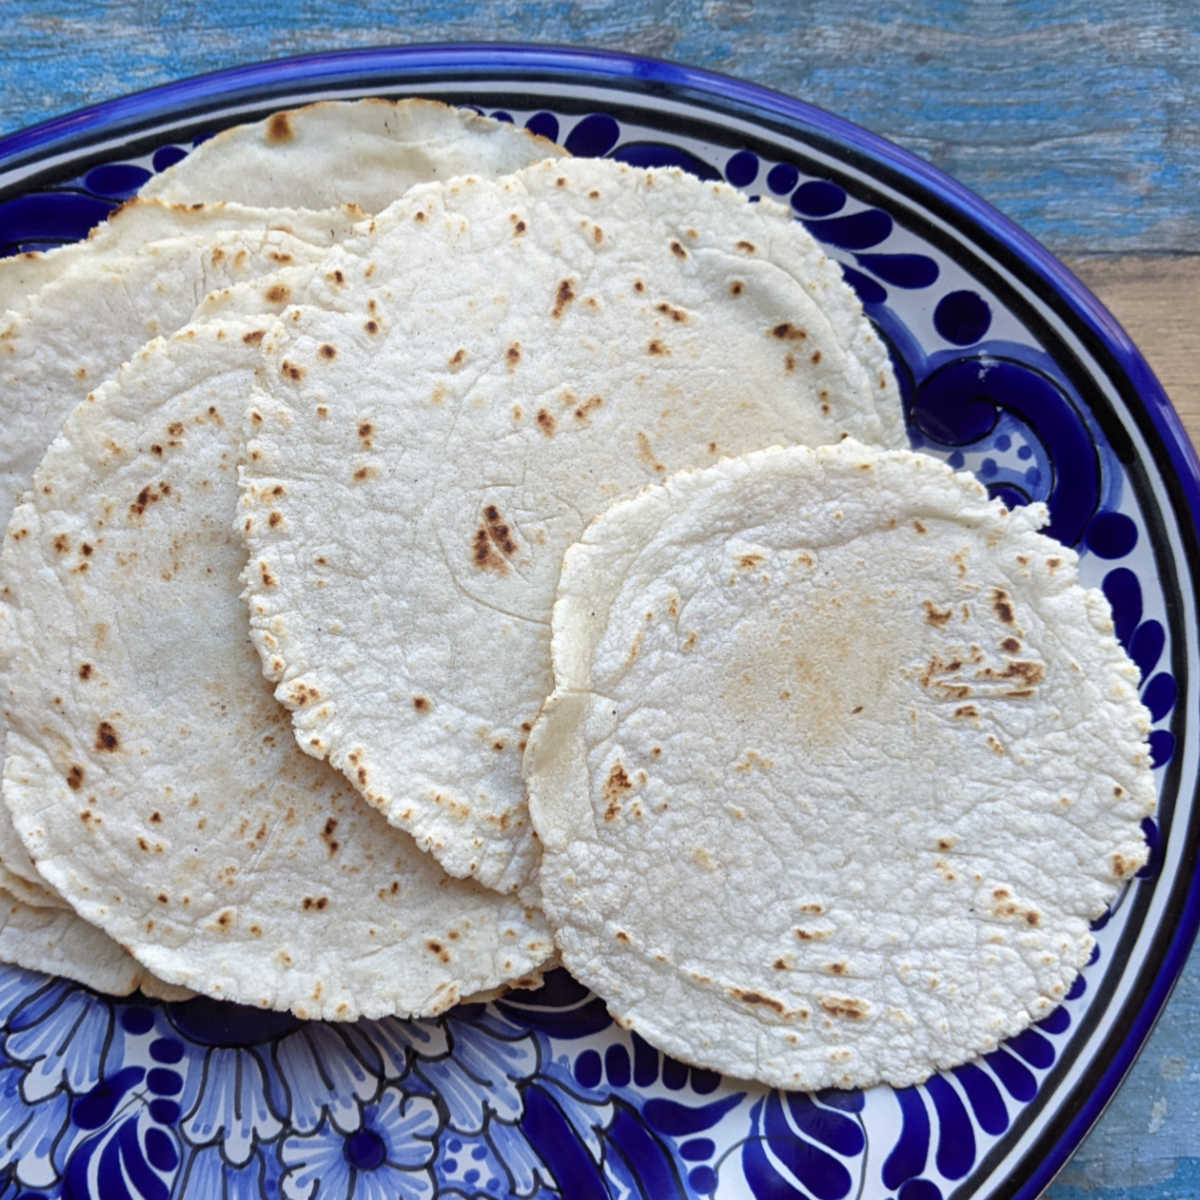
[{"x": 1008, "y": 367}]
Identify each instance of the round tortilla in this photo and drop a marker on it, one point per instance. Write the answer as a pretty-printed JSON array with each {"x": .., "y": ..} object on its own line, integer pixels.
[
  {"x": 150, "y": 772},
  {"x": 457, "y": 395},
  {"x": 840, "y": 763},
  {"x": 366, "y": 152}
]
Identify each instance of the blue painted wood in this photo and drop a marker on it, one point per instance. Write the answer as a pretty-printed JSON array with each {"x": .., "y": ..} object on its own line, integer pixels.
[{"x": 1078, "y": 119}]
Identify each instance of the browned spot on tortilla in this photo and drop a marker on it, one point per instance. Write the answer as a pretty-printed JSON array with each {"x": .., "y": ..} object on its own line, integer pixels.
[
  {"x": 275, "y": 520},
  {"x": 656, "y": 347},
  {"x": 586, "y": 408},
  {"x": 277, "y": 293},
  {"x": 280, "y": 257},
  {"x": 106, "y": 737},
  {"x": 146, "y": 497},
  {"x": 994, "y": 745},
  {"x": 966, "y": 712},
  {"x": 85, "y": 670},
  {"x": 513, "y": 355},
  {"x": 615, "y": 787},
  {"x": 737, "y": 287},
  {"x": 1054, "y": 563},
  {"x": 156, "y": 817},
  {"x": 787, "y": 332},
  {"x": 758, "y": 998},
  {"x": 327, "y": 351},
  {"x": 838, "y": 968},
  {"x": 816, "y": 357},
  {"x": 638, "y": 286},
  {"x": 327, "y": 835},
  {"x": 75, "y": 777},
  {"x": 546, "y": 422},
  {"x": 421, "y": 704},
  {"x": 437, "y": 948},
  {"x": 279, "y": 128},
  {"x": 268, "y": 580},
  {"x": 519, "y": 228},
  {"x": 562, "y": 297},
  {"x": 745, "y": 247},
  {"x": 62, "y": 543},
  {"x": 849, "y": 1007},
  {"x": 362, "y": 474},
  {"x": 371, "y": 326},
  {"x": 597, "y": 234},
  {"x": 163, "y": 898},
  {"x": 750, "y": 560},
  {"x": 322, "y": 412},
  {"x": 225, "y": 919},
  {"x": 1121, "y": 866},
  {"x": 156, "y": 450},
  {"x": 319, "y": 903},
  {"x": 676, "y": 314},
  {"x": 646, "y": 453},
  {"x": 622, "y": 936},
  {"x": 1002, "y": 606},
  {"x": 936, "y": 616},
  {"x": 1030, "y": 674},
  {"x": 290, "y": 370},
  {"x": 1010, "y": 645},
  {"x": 484, "y": 553}
]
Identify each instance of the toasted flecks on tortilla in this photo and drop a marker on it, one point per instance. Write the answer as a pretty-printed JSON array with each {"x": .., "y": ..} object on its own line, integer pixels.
[
  {"x": 76, "y": 313},
  {"x": 522, "y": 351},
  {"x": 366, "y": 152},
  {"x": 840, "y": 763},
  {"x": 164, "y": 796}
]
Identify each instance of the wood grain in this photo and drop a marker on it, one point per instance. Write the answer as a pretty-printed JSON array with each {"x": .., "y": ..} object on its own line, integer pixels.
[
  {"x": 1158, "y": 302},
  {"x": 1077, "y": 118}
]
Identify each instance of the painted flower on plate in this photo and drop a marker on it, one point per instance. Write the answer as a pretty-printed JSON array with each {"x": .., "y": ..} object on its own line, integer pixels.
[{"x": 388, "y": 1157}]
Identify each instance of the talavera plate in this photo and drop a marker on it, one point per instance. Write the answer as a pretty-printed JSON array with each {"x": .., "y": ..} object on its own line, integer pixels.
[{"x": 1008, "y": 367}]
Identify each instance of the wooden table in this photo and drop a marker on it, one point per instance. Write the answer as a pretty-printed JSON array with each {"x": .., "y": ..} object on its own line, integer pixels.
[{"x": 1079, "y": 120}]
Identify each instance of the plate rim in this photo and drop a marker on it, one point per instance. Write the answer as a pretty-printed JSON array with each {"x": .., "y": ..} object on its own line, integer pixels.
[{"x": 191, "y": 96}]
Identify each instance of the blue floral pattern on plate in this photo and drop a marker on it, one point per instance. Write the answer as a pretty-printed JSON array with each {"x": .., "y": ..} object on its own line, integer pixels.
[{"x": 540, "y": 1095}]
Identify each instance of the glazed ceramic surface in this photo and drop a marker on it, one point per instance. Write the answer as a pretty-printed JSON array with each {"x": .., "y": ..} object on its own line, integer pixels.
[{"x": 1008, "y": 368}]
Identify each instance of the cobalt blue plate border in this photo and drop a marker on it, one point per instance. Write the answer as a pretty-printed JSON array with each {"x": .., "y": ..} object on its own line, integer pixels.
[{"x": 32, "y": 158}]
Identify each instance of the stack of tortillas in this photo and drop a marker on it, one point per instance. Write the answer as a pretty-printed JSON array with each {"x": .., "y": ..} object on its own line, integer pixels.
[{"x": 838, "y": 759}]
